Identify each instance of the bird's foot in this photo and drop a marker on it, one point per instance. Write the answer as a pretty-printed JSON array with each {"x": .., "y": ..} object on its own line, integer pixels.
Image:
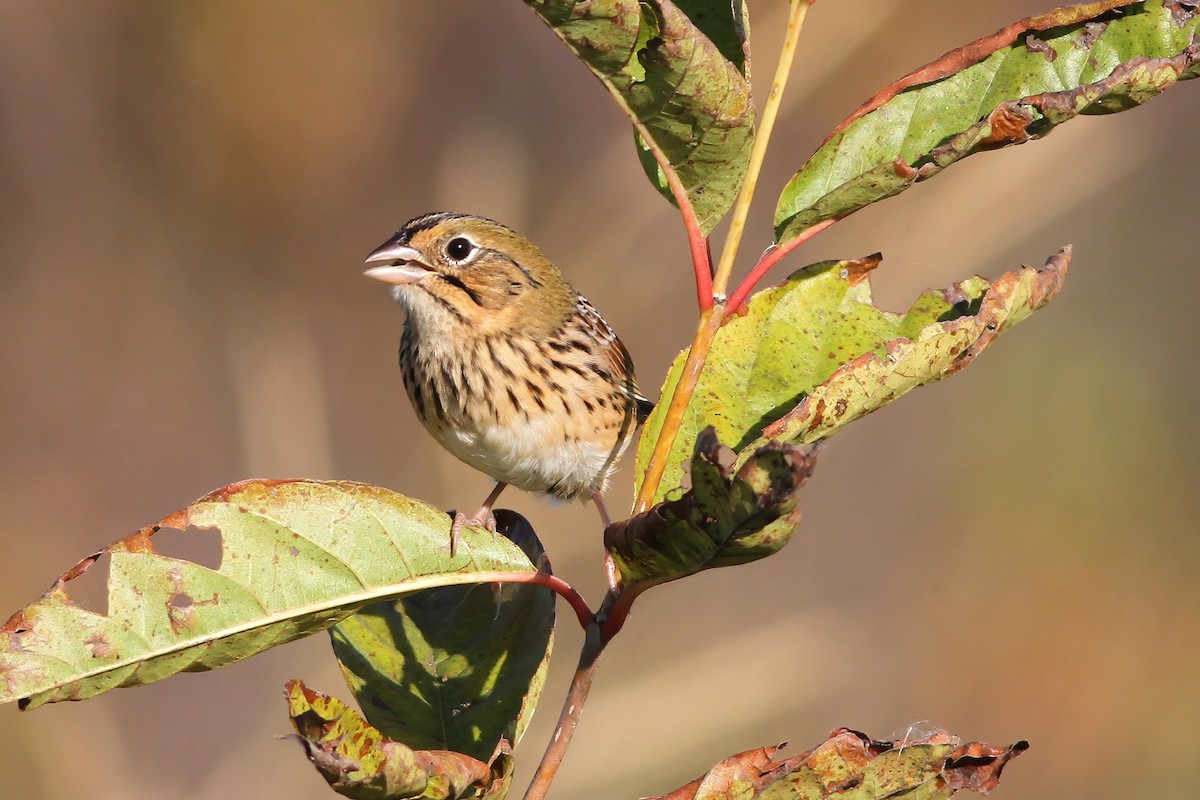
[{"x": 460, "y": 519}]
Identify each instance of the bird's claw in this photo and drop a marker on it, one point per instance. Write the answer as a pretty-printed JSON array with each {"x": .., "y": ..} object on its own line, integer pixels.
[{"x": 460, "y": 519}]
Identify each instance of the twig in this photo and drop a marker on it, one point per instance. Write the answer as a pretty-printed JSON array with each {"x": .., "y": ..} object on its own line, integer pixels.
[
  {"x": 770, "y": 259},
  {"x": 710, "y": 323},
  {"x": 697, "y": 242},
  {"x": 553, "y": 582},
  {"x": 568, "y": 719},
  {"x": 741, "y": 207},
  {"x": 615, "y": 610}
]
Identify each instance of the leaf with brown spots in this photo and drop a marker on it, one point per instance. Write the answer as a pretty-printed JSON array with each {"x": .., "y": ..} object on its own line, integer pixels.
[
  {"x": 814, "y": 353},
  {"x": 851, "y": 766},
  {"x": 1008, "y": 88},
  {"x": 297, "y": 557},
  {"x": 975, "y": 313}
]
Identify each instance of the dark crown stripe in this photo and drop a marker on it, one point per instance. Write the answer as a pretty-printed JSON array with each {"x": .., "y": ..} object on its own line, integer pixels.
[
  {"x": 424, "y": 222},
  {"x": 432, "y": 219}
]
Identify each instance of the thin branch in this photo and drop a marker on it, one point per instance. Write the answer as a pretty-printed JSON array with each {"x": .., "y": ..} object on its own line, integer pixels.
[
  {"x": 697, "y": 242},
  {"x": 710, "y": 323},
  {"x": 568, "y": 719},
  {"x": 768, "y": 260},
  {"x": 741, "y": 208}
]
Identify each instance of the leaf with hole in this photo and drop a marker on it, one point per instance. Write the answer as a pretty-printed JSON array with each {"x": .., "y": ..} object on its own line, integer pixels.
[
  {"x": 814, "y": 353},
  {"x": 297, "y": 557}
]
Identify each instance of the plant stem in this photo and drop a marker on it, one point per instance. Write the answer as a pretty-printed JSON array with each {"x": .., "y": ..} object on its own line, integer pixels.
[
  {"x": 568, "y": 719},
  {"x": 770, "y": 259},
  {"x": 710, "y": 323},
  {"x": 558, "y": 585},
  {"x": 615, "y": 610},
  {"x": 697, "y": 242},
  {"x": 741, "y": 208}
]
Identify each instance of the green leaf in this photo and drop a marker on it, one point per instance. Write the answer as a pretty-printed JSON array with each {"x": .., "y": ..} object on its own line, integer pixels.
[
  {"x": 725, "y": 518},
  {"x": 814, "y": 353},
  {"x": 297, "y": 557},
  {"x": 851, "y": 766},
  {"x": 674, "y": 82},
  {"x": 458, "y": 668},
  {"x": 941, "y": 334},
  {"x": 360, "y": 762},
  {"x": 1004, "y": 89}
]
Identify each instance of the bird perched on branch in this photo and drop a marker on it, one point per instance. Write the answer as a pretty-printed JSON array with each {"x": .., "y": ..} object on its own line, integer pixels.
[{"x": 509, "y": 368}]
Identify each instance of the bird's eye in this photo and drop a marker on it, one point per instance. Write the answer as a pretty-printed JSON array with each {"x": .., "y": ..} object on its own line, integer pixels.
[{"x": 459, "y": 248}]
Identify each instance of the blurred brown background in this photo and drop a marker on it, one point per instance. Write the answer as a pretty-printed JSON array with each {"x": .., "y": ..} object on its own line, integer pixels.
[{"x": 187, "y": 194}]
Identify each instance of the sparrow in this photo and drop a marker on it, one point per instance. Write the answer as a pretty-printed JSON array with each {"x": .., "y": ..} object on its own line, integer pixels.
[{"x": 510, "y": 369}]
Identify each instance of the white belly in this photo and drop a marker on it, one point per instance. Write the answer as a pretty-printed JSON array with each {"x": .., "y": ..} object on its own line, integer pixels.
[{"x": 533, "y": 455}]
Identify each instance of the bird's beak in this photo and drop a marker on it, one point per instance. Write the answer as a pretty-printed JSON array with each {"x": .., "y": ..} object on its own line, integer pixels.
[{"x": 396, "y": 263}]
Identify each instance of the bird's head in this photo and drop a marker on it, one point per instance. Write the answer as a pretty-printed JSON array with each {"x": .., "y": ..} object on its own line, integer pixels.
[{"x": 456, "y": 269}]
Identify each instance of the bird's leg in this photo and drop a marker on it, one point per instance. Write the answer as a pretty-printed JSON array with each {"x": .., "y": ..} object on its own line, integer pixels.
[
  {"x": 609, "y": 568},
  {"x": 482, "y": 517},
  {"x": 598, "y": 499}
]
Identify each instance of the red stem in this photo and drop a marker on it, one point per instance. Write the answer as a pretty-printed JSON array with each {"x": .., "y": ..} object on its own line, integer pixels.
[
  {"x": 616, "y": 615},
  {"x": 553, "y": 582},
  {"x": 770, "y": 259},
  {"x": 701, "y": 264},
  {"x": 697, "y": 242}
]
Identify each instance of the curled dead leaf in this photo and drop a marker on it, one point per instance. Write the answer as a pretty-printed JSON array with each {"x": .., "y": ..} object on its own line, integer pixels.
[
  {"x": 358, "y": 761},
  {"x": 729, "y": 515},
  {"x": 850, "y": 764}
]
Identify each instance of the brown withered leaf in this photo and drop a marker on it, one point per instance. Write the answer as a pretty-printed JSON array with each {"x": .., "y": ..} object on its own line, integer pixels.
[
  {"x": 977, "y": 766},
  {"x": 738, "y": 775},
  {"x": 358, "y": 761},
  {"x": 852, "y": 766}
]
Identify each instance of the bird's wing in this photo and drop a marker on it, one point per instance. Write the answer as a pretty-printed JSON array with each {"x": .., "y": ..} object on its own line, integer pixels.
[{"x": 613, "y": 352}]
